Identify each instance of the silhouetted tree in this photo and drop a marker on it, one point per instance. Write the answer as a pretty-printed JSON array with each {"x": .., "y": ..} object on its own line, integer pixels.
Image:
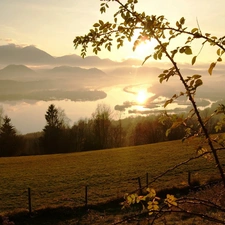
[
  {"x": 51, "y": 140},
  {"x": 1, "y": 115},
  {"x": 148, "y": 130},
  {"x": 10, "y": 142},
  {"x": 63, "y": 119},
  {"x": 101, "y": 126},
  {"x": 32, "y": 144},
  {"x": 82, "y": 135},
  {"x": 117, "y": 135}
]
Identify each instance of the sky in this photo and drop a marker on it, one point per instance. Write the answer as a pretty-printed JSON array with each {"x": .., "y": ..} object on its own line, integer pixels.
[{"x": 51, "y": 25}]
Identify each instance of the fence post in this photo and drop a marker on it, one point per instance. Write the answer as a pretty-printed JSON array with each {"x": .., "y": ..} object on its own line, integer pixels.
[
  {"x": 189, "y": 178},
  {"x": 139, "y": 183},
  {"x": 146, "y": 180},
  {"x": 86, "y": 196},
  {"x": 29, "y": 201}
]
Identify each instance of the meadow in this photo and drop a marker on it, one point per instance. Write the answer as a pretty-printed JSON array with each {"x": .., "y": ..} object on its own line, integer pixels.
[{"x": 60, "y": 179}]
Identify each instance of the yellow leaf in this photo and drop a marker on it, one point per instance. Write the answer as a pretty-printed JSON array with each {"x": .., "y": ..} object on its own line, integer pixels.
[
  {"x": 211, "y": 68},
  {"x": 193, "y": 60},
  {"x": 194, "y": 30},
  {"x": 218, "y": 52},
  {"x": 219, "y": 59},
  {"x": 188, "y": 51},
  {"x": 96, "y": 25}
]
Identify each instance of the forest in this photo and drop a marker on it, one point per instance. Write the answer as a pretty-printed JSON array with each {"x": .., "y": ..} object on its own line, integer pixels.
[{"x": 100, "y": 131}]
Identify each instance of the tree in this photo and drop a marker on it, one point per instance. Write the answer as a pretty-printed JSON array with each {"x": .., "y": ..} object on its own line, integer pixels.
[
  {"x": 117, "y": 134},
  {"x": 158, "y": 28},
  {"x": 148, "y": 130},
  {"x": 52, "y": 138},
  {"x": 63, "y": 119},
  {"x": 10, "y": 142},
  {"x": 1, "y": 115},
  {"x": 126, "y": 21},
  {"x": 102, "y": 126},
  {"x": 82, "y": 135},
  {"x": 52, "y": 117}
]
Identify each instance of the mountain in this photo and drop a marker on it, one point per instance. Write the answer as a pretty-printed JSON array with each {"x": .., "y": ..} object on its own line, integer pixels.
[
  {"x": 68, "y": 59},
  {"x": 132, "y": 61},
  {"x": 30, "y": 55},
  {"x": 89, "y": 61},
  {"x": 35, "y": 55},
  {"x": 45, "y": 91},
  {"x": 17, "y": 72},
  {"x": 76, "y": 71},
  {"x": 14, "y": 54}
]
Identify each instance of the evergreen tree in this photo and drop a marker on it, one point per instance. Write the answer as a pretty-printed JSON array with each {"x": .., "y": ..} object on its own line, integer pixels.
[
  {"x": 52, "y": 131},
  {"x": 9, "y": 141}
]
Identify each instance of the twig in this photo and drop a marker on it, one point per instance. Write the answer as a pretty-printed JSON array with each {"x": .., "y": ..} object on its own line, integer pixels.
[{"x": 178, "y": 165}]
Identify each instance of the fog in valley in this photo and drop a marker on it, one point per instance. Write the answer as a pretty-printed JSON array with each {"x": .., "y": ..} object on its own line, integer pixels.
[{"x": 31, "y": 79}]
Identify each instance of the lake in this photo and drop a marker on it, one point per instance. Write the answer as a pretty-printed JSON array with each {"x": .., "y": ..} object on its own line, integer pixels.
[{"x": 29, "y": 116}]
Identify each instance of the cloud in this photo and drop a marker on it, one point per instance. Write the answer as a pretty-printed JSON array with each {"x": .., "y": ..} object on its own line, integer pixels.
[
  {"x": 7, "y": 40},
  {"x": 12, "y": 42},
  {"x": 123, "y": 107}
]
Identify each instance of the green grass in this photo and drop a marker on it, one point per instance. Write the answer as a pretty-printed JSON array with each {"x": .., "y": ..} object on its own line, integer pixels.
[{"x": 59, "y": 180}]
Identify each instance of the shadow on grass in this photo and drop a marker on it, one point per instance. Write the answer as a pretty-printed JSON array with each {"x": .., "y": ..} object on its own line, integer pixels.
[
  {"x": 64, "y": 215},
  {"x": 59, "y": 215}
]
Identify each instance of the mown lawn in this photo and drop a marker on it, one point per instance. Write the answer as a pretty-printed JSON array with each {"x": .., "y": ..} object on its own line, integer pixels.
[{"x": 60, "y": 180}]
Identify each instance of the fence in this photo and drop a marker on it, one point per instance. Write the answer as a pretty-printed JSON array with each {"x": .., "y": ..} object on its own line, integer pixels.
[{"x": 86, "y": 195}]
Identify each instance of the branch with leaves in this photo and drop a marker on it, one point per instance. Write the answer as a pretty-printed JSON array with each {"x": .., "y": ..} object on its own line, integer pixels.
[
  {"x": 157, "y": 207},
  {"x": 126, "y": 21},
  {"x": 153, "y": 27}
]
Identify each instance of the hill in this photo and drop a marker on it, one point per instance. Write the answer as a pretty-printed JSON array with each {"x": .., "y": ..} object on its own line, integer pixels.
[
  {"x": 19, "y": 82},
  {"x": 58, "y": 181},
  {"x": 14, "y": 54},
  {"x": 31, "y": 55},
  {"x": 78, "y": 72},
  {"x": 17, "y": 72},
  {"x": 89, "y": 61}
]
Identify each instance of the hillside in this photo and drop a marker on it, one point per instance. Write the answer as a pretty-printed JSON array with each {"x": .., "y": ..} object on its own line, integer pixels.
[
  {"x": 19, "y": 82},
  {"x": 31, "y": 55},
  {"x": 17, "y": 72},
  {"x": 13, "y": 54},
  {"x": 77, "y": 72},
  {"x": 60, "y": 179}
]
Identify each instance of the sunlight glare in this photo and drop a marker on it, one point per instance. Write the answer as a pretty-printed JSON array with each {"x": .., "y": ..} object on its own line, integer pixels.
[
  {"x": 143, "y": 49},
  {"x": 142, "y": 96}
]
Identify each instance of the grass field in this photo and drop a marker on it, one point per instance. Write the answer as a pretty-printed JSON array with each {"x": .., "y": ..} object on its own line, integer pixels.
[{"x": 59, "y": 180}]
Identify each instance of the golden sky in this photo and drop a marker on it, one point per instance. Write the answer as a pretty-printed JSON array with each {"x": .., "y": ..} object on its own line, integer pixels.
[{"x": 51, "y": 25}]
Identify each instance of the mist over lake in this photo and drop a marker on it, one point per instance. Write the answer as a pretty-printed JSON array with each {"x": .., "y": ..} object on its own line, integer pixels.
[
  {"x": 28, "y": 85},
  {"x": 29, "y": 116}
]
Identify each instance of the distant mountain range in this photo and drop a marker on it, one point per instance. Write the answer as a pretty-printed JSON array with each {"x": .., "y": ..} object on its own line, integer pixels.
[
  {"x": 30, "y": 55},
  {"x": 17, "y": 72},
  {"x": 22, "y": 72},
  {"x": 13, "y": 54},
  {"x": 76, "y": 71},
  {"x": 31, "y": 73},
  {"x": 19, "y": 82}
]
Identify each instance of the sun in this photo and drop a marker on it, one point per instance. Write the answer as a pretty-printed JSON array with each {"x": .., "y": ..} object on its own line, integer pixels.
[
  {"x": 142, "y": 96},
  {"x": 144, "y": 48}
]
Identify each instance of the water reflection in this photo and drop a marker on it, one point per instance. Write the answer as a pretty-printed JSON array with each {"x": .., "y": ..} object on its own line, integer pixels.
[{"x": 29, "y": 116}]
